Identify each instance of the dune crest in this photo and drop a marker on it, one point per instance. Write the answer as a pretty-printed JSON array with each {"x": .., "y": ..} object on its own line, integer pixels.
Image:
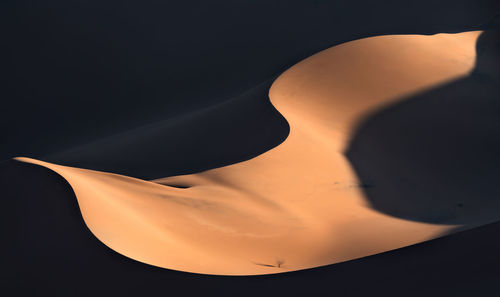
[{"x": 297, "y": 206}]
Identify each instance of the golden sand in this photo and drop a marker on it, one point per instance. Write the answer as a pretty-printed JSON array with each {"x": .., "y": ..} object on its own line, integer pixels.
[{"x": 299, "y": 205}]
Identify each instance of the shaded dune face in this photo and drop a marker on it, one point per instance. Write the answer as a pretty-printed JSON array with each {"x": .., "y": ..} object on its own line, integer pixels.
[
  {"x": 301, "y": 204},
  {"x": 436, "y": 154},
  {"x": 220, "y": 135}
]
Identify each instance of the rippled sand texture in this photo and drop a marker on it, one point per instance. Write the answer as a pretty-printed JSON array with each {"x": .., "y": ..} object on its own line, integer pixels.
[{"x": 299, "y": 205}]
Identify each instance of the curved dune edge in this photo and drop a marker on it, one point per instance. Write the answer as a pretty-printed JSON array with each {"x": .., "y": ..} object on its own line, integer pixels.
[{"x": 297, "y": 206}]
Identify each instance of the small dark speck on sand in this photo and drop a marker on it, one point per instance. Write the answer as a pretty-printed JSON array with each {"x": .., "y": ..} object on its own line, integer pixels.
[{"x": 262, "y": 264}]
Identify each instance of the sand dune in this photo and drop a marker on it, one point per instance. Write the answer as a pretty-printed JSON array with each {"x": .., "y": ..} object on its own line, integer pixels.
[{"x": 299, "y": 205}]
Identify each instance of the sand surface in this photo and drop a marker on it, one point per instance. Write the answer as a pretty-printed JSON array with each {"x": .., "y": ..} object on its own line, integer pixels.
[{"x": 297, "y": 206}]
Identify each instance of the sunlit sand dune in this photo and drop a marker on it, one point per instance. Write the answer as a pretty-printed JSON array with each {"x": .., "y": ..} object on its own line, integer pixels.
[{"x": 297, "y": 206}]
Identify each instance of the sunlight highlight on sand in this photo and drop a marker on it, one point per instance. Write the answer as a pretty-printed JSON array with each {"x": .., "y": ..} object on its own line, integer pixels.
[{"x": 299, "y": 205}]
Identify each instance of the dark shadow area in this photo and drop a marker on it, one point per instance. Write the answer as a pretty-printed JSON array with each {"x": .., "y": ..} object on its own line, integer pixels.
[
  {"x": 435, "y": 157},
  {"x": 232, "y": 131},
  {"x": 74, "y": 72},
  {"x": 178, "y": 186},
  {"x": 50, "y": 252}
]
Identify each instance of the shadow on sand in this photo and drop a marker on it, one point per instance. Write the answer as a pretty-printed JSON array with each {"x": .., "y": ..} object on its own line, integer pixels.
[{"x": 435, "y": 157}]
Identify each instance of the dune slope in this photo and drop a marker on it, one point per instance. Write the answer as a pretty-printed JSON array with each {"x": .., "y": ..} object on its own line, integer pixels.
[
  {"x": 299, "y": 205},
  {"x": 56, "y": 253}
]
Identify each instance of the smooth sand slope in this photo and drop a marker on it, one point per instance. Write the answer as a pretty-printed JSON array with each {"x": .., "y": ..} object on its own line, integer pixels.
[
  {"x": 297, "y": 206},
  {"x": 56, "y": 253}
]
